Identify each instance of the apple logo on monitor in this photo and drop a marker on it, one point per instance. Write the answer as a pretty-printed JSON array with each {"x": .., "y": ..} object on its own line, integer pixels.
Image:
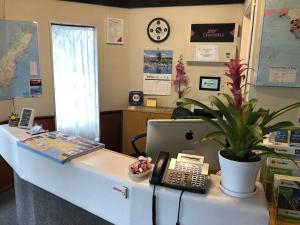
[{"x": 189, "y": 135}]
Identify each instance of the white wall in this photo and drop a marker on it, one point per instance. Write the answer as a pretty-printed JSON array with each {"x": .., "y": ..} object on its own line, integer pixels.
[
  {"x": 179, "y": 19},
  {"x": 271, "y": 98},
  {"x": 113, "y": 59},
  {"x": 121, "y": 67}
]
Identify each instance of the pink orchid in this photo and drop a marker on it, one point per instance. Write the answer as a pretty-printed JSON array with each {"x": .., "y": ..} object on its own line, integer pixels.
[{"x": 181, "y": 79}]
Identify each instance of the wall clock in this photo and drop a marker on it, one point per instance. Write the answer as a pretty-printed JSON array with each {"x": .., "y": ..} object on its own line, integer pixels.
[{"x": 158, "y": 30}]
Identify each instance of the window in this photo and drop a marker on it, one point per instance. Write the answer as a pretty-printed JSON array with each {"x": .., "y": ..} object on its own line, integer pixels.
[{"x": 74, "y": 53}]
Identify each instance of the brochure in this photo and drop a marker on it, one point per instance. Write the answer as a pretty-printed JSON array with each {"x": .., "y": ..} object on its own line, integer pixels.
[
  {"x": 59, "y": 146},
  {"x": 287, "y": 198}
]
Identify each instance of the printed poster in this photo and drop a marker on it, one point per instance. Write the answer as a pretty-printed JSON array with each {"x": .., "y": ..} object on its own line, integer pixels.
[
  {"x": 115, "y": 31},
  {"x": 280, "y": 43},
  {"x": 19, "y": 59}
]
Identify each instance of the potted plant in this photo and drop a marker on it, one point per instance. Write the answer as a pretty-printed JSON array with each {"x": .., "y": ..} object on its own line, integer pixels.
[
  {"x": 13, "y": 120},
  {"x": 13, "y": 117},
  {"x": 244, "y": 128}
]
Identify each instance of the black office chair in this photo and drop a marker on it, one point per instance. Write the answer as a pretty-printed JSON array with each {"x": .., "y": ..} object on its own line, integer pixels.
[
  {"x": 178, "y": 113},
  {"x": 203, "y": 112}
]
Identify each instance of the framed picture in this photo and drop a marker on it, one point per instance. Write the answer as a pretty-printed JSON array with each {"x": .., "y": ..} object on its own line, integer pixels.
[
  {"x": 26, "y": 119},
  {"x": 209, "y": 83},
  {"x": 115, "y": 31},
  {"x": 219, "y": 32}
]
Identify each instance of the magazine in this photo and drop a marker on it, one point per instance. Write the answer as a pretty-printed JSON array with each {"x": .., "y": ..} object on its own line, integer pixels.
[{"x": 59, "y": 146}]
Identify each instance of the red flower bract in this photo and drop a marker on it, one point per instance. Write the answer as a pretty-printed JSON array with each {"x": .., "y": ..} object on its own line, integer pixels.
[{"x": 235, "y": 70}]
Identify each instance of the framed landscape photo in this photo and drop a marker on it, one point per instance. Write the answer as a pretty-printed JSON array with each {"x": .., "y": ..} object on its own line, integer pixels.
[
  {"x": 26, "y": 118},
  {"x": 209, "y": 83}
]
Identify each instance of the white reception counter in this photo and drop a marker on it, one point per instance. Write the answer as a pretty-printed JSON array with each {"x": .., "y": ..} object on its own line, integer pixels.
[{"x": 94, "y": 181}]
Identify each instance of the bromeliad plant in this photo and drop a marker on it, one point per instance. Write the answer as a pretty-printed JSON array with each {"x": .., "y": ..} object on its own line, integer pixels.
[{"x": 243, "y": 126}]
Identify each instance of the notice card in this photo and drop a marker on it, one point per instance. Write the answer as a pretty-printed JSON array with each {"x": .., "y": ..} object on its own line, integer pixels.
[
  {"x": 282, "y": 74},
  {"x": 115, "y": 31},
  {"x": 206, "y": 53}
]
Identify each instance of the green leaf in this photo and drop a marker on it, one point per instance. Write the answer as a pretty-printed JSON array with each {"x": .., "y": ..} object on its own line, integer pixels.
[
  {"x": 249, "y": 106},
  {"x": 213, "y": 136},
  {"x": 219, "y": 119},
  {"x": 256, "y": 132},
  {"x": 283, "y": 110},
  {"x": 263, "y": 148},
  {"x": 227, "y": 112},
  {"x": 253, "y": 117},
  {"x": 279, "y": 126},
  {"x": 228, "y": 98}
]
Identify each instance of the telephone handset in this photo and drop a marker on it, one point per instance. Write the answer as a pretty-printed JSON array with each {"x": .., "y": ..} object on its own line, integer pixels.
[
  {"x": 159, "y": 168},
  {"x": 187, "y": 172}
]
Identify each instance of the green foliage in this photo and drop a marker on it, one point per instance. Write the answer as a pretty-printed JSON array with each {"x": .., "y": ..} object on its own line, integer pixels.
[{"x": 244, "y": 131}]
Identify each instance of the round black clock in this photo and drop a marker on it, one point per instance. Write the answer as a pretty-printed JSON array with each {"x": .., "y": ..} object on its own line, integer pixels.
[{"x": 158, "y": 30}]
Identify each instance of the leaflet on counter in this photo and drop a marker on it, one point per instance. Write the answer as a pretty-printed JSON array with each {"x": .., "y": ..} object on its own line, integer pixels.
[{"x": 59, "y": 146}]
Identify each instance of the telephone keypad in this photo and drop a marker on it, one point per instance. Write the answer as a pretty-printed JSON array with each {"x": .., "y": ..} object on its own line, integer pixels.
[{"x": 186, "y": 176}]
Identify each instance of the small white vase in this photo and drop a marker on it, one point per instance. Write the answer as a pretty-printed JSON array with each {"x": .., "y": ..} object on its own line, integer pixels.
[{"x": 238, "y": 178}]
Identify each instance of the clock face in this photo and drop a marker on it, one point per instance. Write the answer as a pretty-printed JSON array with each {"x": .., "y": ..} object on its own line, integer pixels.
[{"x": 158, "y": 30}]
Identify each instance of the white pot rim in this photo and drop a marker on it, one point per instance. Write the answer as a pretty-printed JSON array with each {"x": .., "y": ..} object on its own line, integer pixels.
[
  {"x": 239, "y": 162},
  {"x": 237, "y": 194}
]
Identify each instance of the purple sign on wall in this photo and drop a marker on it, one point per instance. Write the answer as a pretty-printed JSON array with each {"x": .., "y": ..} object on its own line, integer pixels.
[{"x": 222, "y": 32}]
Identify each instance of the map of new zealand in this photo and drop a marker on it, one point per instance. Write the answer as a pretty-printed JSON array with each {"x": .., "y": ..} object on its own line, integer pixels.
[
  {"x": 19, "y": 60},
  {"x": 279, "y": 55}
]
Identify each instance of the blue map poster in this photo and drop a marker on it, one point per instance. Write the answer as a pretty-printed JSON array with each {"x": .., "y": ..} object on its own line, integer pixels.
[
  {"x": 19, "y": 60},
  {"x": 279, "y": 54}
]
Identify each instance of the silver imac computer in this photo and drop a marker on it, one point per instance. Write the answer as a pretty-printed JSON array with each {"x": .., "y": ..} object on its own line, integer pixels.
[{"x": 175, "y": 136}]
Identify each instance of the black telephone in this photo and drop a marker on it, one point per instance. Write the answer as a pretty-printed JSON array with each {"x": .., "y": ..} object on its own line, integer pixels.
[{"x": 187, "y": 172}]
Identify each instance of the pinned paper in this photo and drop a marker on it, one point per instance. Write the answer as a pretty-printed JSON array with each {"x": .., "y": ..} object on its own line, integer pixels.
[
  {"x": 33, "y": 68},
  {"x": 207, "y": 53},
  {"x": 282, "y": 74}
]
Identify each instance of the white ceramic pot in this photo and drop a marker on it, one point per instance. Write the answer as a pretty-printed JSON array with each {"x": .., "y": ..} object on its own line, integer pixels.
[{"x": 238, "y": 178}]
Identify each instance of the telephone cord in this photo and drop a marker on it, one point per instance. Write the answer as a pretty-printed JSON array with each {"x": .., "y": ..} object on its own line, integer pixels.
[
  {"x": 179, "y": 203},
  {"x": 154, "y": 207}
]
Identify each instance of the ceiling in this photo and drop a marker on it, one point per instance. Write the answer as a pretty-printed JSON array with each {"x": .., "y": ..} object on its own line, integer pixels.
[{"x": 155, "y": 3}]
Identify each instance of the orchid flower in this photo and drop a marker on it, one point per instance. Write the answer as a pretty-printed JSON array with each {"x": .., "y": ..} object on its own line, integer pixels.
[{"x": 181, "y": 79}]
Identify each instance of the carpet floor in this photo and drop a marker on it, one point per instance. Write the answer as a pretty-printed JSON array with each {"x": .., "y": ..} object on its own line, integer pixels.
[{"x": 8, "y": 213}]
